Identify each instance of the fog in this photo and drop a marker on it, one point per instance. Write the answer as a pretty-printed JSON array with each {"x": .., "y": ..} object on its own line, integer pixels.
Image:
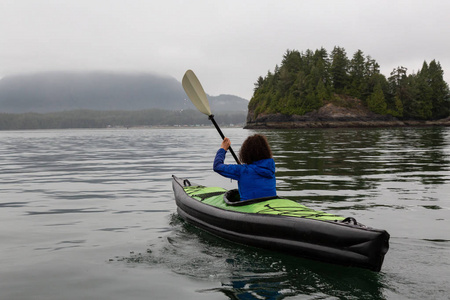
[{"x": 229, "y": 44}]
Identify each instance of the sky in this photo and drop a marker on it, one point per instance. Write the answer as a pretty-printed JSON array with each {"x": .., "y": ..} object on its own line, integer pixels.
[{"x": 228, "y": 44}]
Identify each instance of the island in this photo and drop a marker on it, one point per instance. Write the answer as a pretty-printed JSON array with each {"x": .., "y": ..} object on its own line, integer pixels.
[{"x": 314, "y": 89}]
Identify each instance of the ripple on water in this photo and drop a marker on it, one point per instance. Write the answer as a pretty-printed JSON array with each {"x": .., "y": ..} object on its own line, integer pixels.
[
  {"x": 243, "y": 270},
  {"x": 66, "y": 211}
]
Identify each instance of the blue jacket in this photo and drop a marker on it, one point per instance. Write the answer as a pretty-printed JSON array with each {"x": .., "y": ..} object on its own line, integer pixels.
[{"x": 255, "y": 180}]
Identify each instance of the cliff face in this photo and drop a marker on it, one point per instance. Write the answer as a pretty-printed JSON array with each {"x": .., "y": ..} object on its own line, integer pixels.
[{"x": 333, "y": 116}]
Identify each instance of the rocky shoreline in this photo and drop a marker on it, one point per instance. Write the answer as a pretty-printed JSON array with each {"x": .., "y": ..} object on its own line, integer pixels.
[{"x": 332, "y": 116}]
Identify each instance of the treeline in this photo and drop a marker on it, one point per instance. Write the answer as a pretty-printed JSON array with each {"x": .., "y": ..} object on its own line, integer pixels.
[
  {"x": 104, "y": 119},
  {"x": 306, "y": 81}
]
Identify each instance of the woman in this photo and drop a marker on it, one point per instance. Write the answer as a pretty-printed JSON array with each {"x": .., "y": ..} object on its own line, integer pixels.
[{"x": 256, "y": 175}]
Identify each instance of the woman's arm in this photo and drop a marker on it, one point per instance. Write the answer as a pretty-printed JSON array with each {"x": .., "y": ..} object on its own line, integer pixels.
[{"x": 229, "y": 171}]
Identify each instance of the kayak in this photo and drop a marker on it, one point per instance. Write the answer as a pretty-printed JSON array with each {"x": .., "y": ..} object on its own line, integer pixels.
[{"x": 281, "y": 224}]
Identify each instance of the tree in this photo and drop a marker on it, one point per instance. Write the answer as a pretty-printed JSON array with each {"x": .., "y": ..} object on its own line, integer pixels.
[
  {"x": 290, "y": 66},
  {"x": 321, "y": 94},
  {"x": 408, "y": 95},
  {"x": 398, "y": 111},
  {"x": 338, "y": 69},
  {"x": 371, "y": 78},
  {"x": 376, "y": 102},
  {"x": 371, "y": 67},
  {"x": 292, "y": 61},
  {"x": 424, "y": 103},
  {"x": 439, "y": 91},
  {"x": 259, "y": 83},
  {"x": 356, "y": 74},
  {"x": 397, "y": 91},
  {"x": 396, "y": 79}
]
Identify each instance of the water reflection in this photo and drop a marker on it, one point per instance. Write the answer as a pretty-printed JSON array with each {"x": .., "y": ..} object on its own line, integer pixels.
[{"x": 345, "y": 161}]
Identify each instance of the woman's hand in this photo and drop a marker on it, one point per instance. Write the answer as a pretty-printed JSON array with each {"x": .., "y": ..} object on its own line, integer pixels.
[{"x": 225, "y": 144}]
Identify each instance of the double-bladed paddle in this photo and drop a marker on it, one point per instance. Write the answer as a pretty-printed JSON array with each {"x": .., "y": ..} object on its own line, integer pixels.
[{"x": 195, "y": 92}]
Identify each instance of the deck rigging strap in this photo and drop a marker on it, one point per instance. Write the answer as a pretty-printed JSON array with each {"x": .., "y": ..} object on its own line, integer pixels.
[
  {"x": 204, "y": 196},
  {"x": 197, "y": 192},
  {"x": 300, "y": 212}
]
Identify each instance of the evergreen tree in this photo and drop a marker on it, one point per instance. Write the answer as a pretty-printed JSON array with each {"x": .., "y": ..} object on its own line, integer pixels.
[
  {"x": 371, "y": 67},
  {"x": 288, "y": 71},
  {"x": 297, "y": 94},
  {"x": 376, "y": 102},
  {"x": 408, "y": 95},
  {"x": 338, "y": 69},
  {"x": 321, "y": 94},
  {"x": 356, "y": 74},
  {"x": 259, "y": 83},
  {"x": 398, "y": 110},
  {"x": 397, "y": 91},
  {"x": 439, "y": 91},
  {"x": 372, "y": 77},
  {"x": 424, "y": 102}
]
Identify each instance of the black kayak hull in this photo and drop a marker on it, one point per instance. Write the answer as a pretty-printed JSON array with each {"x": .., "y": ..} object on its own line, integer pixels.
[{"x": 333, "y": 242}]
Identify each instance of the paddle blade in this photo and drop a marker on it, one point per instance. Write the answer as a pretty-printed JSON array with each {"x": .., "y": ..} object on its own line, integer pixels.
[{"x": 195, "y": 92}]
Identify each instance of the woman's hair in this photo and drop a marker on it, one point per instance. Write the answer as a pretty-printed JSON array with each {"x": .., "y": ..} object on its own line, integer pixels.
[{"x": 254, "y": 148}]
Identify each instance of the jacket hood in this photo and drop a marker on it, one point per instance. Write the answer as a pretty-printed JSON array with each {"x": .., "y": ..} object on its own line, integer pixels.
[{"x": 264, "y": 167}]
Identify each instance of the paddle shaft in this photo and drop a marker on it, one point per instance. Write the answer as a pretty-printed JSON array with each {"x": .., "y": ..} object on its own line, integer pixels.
[{"x": 211, "y": 117}]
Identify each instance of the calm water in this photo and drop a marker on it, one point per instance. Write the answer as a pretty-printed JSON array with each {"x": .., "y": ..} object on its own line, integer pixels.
[{"x": 90, "y": 214}]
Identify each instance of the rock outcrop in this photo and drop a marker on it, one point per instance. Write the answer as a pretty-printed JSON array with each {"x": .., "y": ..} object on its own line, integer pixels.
[{"x": 333, "y": 116}]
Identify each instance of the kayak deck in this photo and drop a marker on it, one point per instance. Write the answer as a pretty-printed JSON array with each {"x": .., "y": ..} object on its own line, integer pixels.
[{"x": 279, "y": 206}]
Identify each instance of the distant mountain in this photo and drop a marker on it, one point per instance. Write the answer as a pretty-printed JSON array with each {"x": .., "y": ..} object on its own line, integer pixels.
[{"x": 64, "y": 91}]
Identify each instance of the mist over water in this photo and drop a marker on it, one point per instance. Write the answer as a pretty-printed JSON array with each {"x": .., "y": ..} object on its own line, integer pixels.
[{"x": 90, "y": 214}]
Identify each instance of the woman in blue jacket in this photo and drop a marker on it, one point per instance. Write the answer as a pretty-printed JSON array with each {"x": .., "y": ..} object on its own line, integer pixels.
[{"x": 256, "y": 175}]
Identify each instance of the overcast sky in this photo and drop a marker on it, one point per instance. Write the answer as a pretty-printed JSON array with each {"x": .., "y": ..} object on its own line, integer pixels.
[{"x": 228, "y": 44}]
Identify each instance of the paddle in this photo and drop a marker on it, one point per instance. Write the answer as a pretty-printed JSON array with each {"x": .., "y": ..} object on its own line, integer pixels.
[{"x": 195, "y": 92}]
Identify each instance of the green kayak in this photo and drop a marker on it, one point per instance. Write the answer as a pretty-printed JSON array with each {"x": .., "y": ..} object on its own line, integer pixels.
[{"x": 281, "y": 224}]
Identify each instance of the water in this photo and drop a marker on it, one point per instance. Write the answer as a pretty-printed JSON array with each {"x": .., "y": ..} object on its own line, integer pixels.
[{"x": 90, "y": 214}]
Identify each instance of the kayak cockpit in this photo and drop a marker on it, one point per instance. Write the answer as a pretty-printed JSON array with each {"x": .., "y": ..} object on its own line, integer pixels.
[{"x": 232, "y": 197}]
